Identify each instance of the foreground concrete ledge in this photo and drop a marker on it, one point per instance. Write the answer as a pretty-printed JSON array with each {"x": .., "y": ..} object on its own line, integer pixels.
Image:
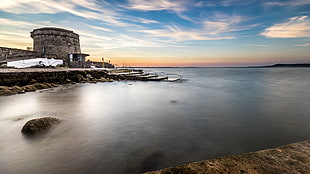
[{"x": 292, "y": 158}]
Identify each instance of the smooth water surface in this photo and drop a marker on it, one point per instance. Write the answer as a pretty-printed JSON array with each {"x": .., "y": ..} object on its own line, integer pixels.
[{"x": 133, "y": 127}]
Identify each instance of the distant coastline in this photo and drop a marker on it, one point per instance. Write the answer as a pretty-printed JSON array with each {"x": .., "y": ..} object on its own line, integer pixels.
[{"x": 288, "y": 65}]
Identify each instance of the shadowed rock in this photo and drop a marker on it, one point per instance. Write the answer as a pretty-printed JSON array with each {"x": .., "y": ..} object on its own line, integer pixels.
[{"x": 38, "y": 125}]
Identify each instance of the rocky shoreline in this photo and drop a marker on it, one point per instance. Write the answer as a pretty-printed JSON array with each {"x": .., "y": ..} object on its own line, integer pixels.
[
  {"x": 15, "y": 81},
  {"x": 292, "y": 158}
]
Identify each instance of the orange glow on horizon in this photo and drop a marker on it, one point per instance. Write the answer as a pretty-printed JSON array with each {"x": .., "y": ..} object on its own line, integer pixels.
[{"x": 181, "y": 62}]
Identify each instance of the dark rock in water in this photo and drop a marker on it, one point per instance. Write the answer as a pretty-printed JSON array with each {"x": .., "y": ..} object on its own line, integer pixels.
[
  {"x": 38, "y": 125},
  {"x": 173, "y": 101}
]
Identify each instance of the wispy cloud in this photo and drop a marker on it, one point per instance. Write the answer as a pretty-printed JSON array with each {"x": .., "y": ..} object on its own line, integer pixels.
[
  {"x": 258, "y": 45},
  {"x": 287, "y": 3},
  {"x": 294, "y": 28},
  {"x": 88, "y": 9},
  {"x": 222, "y": 23},
  {"x": 15, "y": 33},
  {"x": 176, "y": 34},
  {"x": 235, "y": 2},
  {"x": 99, "y": 28},
  {"x": 5, "y": 22},
  {"x": 140, "y": 20},
  {"x": 176, "y": 6},
  {"x": 114, "y": 41},
  {"x": 151, "y": 5},
  {"x": 220, "y": 27},
  {"x": 303, "y": 45},
  {"x": 15, "y": 40}
]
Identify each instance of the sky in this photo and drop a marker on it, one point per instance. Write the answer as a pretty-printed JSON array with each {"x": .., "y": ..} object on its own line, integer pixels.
[{"x": 169, "y": 33}]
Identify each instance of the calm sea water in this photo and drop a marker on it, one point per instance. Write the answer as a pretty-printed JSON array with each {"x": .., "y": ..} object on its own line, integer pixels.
[{"x": 133, "y": 127}]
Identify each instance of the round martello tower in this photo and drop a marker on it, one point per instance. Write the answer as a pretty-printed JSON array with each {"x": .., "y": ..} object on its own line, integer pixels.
[{"x": 55, "y": 42}]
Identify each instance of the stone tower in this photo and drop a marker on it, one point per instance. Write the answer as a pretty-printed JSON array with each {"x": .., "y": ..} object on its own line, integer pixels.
[{"x": 58, "y": 43}]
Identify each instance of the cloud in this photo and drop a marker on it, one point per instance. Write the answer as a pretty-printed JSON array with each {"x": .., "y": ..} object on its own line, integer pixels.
[
  {"x": 89, "y": 9},
  {"x": 5, "y": 22},
  {"x": 15, "y": 40},
  {"x": 304, "y": 45},
  {"x": 220, "y": 27},
  {"x": 287, "y": 3},
  {"x": 222, "y": 23},
  {"x": 15, "y": 33},
  {"x": 176, "y": 6},
  {"x": 176, "y": 34},
  {"x": 296, "y": 27},
  {"x": 151, "y": 5},
  {"x": 99, "y": 28},
  {"x": 140, "y": 20},
  {"x": 93, "y": 41},
  {"x": 235, "y": 2}
]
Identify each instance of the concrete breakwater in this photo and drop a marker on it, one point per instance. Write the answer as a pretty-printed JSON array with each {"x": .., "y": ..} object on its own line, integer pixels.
[
  {"x": 13, "y": 81},
  {"x": 291, "y": 158}
]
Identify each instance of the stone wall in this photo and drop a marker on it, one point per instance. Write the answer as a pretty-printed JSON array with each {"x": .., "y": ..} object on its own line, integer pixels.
[
  {"x": 13, "y": 53},
  {"x": 59, "y": 77},
  {"x": 55, "y": 42}
]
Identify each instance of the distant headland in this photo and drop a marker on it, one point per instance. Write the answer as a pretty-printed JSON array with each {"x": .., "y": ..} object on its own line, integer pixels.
[{"x": 288, "y": 65}]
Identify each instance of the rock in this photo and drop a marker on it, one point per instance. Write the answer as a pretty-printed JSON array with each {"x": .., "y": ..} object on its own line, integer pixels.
[
  {"x": 54, "y": 85},
  {"x": 89, "y": 77},
  {"x": 29, "y": 88},
  {"x": 102, "y": 79},
  {"x": 173, "y": 101},
  {"x": 3, "y": 66},
  {"x": 5, "y": 91},
  {"x": 291, "y": 158},
  {"x": 40, "y": 86},
  {"x": 68, "y": 81},
  {"x": 38, "y": 125},
  {"x": 33, "y": 81},
  {"x": 79, "y": 77},
  {"x": 48, "y": 85},
  {"x": 17, "y": 89}
]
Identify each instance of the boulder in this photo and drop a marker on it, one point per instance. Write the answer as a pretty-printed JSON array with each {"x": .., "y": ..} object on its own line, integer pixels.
[
  {"x": 38, "y": 125},
  {"x": 79, "y": 77},
  {"x": 4, "y": 90},
  {"x": 29, "y": 88},
  {"x": 89, "y": 77}
]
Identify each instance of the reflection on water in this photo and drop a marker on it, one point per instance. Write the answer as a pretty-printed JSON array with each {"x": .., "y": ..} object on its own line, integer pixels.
[{"x": 121, "y": 128}]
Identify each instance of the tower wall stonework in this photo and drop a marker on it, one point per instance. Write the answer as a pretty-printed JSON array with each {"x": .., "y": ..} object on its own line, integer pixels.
[{"x": 55, "y": 42}]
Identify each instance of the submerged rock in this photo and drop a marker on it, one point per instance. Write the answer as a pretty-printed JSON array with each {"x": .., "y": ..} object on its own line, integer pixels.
[{"x": 38, "y": 125}]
